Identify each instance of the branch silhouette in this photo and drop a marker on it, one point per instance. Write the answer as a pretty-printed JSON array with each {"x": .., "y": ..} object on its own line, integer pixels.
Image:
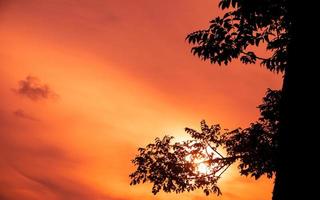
[
  {"x": 244, "y": 26},
  {"x": 171, "y": 166}
]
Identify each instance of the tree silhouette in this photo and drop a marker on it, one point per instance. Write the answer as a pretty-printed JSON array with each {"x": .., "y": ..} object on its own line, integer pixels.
[
  {"x": 173, "y": 166},
  {"x": 260, "y": 148}
]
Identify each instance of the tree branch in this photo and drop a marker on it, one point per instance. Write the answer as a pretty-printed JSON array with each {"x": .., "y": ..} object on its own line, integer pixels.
[
  {"x": 257, "y": 57},
  {"x": 215, "y": 150},
  {"x": 224, "y": 170}
]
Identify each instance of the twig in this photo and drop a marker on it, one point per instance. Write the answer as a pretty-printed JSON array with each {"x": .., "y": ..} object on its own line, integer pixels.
[
  {"x": 215, "y": 150},
  {"x": 257, "y": 57},
  {"x": 224, "y": 170}
]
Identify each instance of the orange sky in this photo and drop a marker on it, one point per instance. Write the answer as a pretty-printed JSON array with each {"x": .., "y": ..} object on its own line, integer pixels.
[{"x": 119, "y": 74}]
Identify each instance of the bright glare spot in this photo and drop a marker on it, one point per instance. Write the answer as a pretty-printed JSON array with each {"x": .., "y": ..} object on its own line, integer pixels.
[
  {"x": 188, "y": 158},
  {"x": 203, "y": 168}
]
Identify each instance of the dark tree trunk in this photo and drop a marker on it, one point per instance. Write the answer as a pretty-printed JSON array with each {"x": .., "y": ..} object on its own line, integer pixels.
[
  {"x": 284, "y": 186},
  {"x": 281, "y": 189}
]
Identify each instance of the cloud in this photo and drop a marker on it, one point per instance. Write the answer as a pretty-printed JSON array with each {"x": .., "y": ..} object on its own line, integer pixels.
[
  {"x": 32, "y": 88},
  {"x": 22, "y": 114},
  {"x": 65, "y": 189},
  {"x": 42, "y": 169},
  {"x": 44, "y": 176}
]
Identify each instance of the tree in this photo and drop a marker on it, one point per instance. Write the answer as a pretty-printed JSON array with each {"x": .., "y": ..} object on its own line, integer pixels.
[
  {"x": 261, "y": 147},
  {"x": 174, "y": 167}
]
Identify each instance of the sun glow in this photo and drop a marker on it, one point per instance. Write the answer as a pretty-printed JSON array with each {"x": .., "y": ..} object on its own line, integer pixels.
[
  {"x": 203, "y": 168},
  {"x": 202, "y": 162}
]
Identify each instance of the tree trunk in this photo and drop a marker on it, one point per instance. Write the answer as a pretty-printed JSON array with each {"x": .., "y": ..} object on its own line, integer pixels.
[
  {"x": 285, "y": 183},
  {"x": 282, "y": 180}
]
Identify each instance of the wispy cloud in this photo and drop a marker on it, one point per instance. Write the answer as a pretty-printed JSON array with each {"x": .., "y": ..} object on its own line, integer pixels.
[
  {"x": 66, "y": 188},
  {"x": 22, "y": 114},
  {"x": 32, "y": 88}
]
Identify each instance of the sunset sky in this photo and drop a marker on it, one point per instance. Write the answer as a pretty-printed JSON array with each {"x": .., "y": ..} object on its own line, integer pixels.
[{"x": 84, "y": 83}]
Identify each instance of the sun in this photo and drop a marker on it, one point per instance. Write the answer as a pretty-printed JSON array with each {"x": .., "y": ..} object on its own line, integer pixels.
[
  {"x": 202, "y": 164},
  {"x": 203, "y": 168}
]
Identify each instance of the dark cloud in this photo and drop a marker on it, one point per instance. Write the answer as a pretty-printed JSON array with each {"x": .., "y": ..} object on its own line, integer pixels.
[
  {"x": 22, "y": 114},
  {"x": 32, "y": 88}
]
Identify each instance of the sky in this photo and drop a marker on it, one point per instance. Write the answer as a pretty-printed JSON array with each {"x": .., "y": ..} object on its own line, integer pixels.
[{"x": 84, "y": 83}]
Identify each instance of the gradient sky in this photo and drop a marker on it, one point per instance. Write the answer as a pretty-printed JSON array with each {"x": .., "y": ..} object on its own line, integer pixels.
[{"x": 84, "y": 83}]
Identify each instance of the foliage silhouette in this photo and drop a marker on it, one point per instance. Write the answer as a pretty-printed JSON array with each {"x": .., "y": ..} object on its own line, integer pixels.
[
  {"x": 173, "y": 166},
  {"x": 248, "y": 24},
  {"x": 260, "y": 148}
]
